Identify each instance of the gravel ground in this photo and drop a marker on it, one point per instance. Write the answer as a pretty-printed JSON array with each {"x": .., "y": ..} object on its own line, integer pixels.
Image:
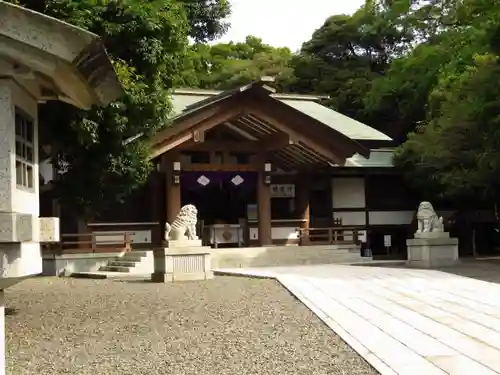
[{"x": 228, "y": 325}]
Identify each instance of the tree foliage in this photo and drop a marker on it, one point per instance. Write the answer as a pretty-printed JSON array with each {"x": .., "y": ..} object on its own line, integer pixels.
[
  {"x": 148, "y": 42},
  {"x": 423, "y": 71},
  {"x": 346, "y": 54},
  {"x": 454, "y": 150},
  {"x": 228, "y": 65}
]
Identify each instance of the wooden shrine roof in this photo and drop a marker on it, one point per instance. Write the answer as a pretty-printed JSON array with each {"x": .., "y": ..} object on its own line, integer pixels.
[{"x": 320, "y": 136}]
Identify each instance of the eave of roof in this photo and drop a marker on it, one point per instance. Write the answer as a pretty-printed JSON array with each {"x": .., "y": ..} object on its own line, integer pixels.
[{"x": 52, "y": 48}]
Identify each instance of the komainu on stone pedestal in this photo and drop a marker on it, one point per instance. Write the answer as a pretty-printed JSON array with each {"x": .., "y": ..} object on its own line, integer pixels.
[
  {"x": 184, "y": 225},
  {"x": 432, "y": 246},
  {"x": 427, "y": 219}
]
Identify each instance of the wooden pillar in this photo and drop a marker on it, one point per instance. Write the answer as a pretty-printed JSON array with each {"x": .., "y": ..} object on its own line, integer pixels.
[
  {"x": 173, "y": 191},
  {"x": 303, "y": 208},
  {"x": 155, "y": 192},
  {"x": 264, "y": 209}
]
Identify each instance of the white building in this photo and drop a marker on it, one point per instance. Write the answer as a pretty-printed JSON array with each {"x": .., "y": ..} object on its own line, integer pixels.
[{"x": 41, "y": 59}]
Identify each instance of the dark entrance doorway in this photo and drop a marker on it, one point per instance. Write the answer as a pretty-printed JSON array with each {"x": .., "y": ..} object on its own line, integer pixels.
[{"x": 222, "y": 199}]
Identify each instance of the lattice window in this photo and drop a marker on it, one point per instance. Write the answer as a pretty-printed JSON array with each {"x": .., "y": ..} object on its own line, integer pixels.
[{"x": 25, "y": 153}]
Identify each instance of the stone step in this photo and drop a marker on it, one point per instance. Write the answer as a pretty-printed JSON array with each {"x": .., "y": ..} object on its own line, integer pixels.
[
  {"x": 122, "y": 263},
  {"x": 115, "y": 269},
  {"x": 111, "y": 275},
  {"x": 130, "y": 258},
  {"x": 138, "y": 253}
]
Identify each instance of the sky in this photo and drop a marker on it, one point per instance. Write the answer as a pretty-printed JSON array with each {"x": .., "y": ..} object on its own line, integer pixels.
[{"x": 283, "y": 23}]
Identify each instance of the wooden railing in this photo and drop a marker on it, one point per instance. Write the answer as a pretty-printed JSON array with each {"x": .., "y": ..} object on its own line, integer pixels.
[
  {"x": 84, "y": 243},
  {"x": 329, "y": 236}
]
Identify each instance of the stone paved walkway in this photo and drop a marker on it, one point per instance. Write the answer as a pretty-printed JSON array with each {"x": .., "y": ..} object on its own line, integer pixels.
[{"x": 403, "y": 321}]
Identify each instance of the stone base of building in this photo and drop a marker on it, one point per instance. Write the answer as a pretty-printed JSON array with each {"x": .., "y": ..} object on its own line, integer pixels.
[
  {"x": 182, "y": 264},
  {"x": 432, "y": 250}
]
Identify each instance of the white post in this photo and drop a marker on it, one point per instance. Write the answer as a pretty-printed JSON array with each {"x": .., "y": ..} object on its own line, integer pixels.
[{"x": 2, "y": 333}]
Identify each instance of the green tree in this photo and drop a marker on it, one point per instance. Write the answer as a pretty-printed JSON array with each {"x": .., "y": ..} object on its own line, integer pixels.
[
  {"x": 227, "y": 65},
  {"x": 148, "y": 43},
  {"x": 455, "y": 152},
  {"x": 346, "y": 54}
]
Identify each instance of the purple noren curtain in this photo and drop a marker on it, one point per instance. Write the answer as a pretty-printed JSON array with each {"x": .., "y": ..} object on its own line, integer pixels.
[{"x": 201, "y": 180}]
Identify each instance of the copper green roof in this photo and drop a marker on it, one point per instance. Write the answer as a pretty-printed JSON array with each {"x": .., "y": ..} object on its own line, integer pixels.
[{"x": 190, "y": 99}]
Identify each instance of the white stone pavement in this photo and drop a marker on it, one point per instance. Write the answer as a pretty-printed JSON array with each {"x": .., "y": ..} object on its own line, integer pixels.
[{"x": 403, "y": 321}]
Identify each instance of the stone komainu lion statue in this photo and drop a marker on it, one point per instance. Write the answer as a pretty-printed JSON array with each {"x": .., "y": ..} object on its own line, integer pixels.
[
  {"x": 427, "y": 219},
  {"x": 184, "y": 224}
]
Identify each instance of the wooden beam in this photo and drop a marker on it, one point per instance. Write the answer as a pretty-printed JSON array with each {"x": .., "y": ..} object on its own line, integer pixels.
[
  {"x": 325, "y": 152},
  {"x": 277, "y": 141},
  {"x": 308, "y": 126},
  {"x": 270, "y": 143},
  {"x": 184, "y": 123},
  {"x": 166, "y": 144},
  {"x": 198, "y": 136},
  {"x": 221, "y": 168},
  {"x": 221, "y": 145}
]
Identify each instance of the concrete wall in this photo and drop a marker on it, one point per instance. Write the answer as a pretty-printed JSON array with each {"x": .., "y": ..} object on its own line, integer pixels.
[
  {"x": 19, "y": 207},
  {"x": 283, "y": 256},
  {"x": 26, "y": 201}
]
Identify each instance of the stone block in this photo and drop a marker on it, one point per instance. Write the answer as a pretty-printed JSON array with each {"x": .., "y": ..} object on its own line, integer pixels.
[
  {"x": 181, "y": 265},
  {"x": 16, "y": 227},
  {"x": 49, "y": 229},
  {"x": 424, "y": 235},
  {"x": 18, "y": 260},
  {"x": 432, "y": 252},
  {"x": 183, "y": 243}
]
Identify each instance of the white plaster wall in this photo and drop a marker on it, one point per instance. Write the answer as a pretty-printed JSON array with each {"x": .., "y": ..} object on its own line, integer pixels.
[
  {"x": 354, "y": 218},
  {"x": 281, "y": 233},
  {"x": 390, "y": 217},
  {"x": 46, "y": 170},
  {"x": 26, "y": 201},
  {"x": 348, "y": 192}
]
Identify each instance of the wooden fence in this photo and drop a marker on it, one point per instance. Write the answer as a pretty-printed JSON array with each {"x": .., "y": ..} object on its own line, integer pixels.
[
  {"x": 84, "y": 243},
  {"x": 330, "y": 236}
]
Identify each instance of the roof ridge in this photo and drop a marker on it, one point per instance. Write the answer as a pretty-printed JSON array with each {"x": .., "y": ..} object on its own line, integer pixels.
[{"x": 288, "y": 96}]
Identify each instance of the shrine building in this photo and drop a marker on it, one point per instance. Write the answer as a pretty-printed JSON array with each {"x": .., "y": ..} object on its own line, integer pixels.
[{"x": 259, "y": 165}]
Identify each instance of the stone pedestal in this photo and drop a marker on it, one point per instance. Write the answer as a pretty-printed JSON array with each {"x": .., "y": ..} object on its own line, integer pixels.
[
  {"x": 184, "y": 244},
  {"x": 181, "y": 261},
  {"x": 432, "y": 250}
]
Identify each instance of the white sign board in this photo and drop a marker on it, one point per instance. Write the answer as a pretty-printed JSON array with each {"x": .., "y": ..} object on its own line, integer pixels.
[
  {"x": 282, "y": 191},
  {"x": 387, "y": 240}
]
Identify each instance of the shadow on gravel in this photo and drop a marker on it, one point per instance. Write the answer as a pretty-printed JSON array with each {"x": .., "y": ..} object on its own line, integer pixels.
[
  {"x": 133, "y": 281},
  {"x": 484, "y": 270},
  {"x": 11, "y": 311}
]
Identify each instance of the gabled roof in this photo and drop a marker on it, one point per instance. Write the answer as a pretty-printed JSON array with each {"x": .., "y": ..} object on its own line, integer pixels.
[
  {"x": 187, "y": 100},
  {"x": 257, "y": 113}
]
